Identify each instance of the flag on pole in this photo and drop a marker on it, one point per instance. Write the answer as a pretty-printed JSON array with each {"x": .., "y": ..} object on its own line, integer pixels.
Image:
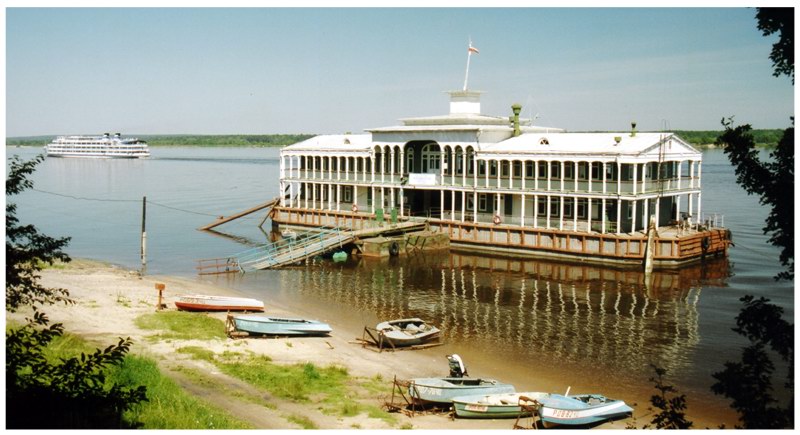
[{"x": 472, "y": 49}]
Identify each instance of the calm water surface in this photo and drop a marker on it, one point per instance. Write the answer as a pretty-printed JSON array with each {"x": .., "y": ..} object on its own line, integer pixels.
[{"x": 591, "y": 328}]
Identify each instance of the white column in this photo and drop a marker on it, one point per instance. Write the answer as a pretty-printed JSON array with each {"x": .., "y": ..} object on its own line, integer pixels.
[
  {"x": 658, "y": 204},
  {"x": 523, "y": 174},
  {"x": 562, "y": 181},
  {"x": 644, "y": 178},
  {"x": 535, "y": 175},
  {"x": 619, "y": 216},
  {"x": 547, "y": 215},
  {"x": 646, "y": 214},
  {"x": 549, "y": 173},
  {"x": 475, "y": 205},
  {"x": 635, "y": 168},
  {"x": 574, "y": 213},
  {"x": 463, "y": 202},
  {"x": 441, "y": 203},
  {"x": 402, "y": 202},
  {"x": 603, "y": 215},
  {"x": 619, "y": 179},
  {"x": 603, "y": 168},
  {"x": 535, "y": 211},
  {"x": 633, "y": 216},
  {"x": 522, "y": 213},
  {"x": 589, "y": 212},
  {"x": 691, "y": 174},
  {"x": 372, "y": 169},
  {"x": 561, "y": 202},
  {"x": 499, "y": 172},
  {"x": 355, "y": 196},
  {"x": 699, "y": 174},
  {"x": 590, "y": 174},
  {"x": 679, "y": 174},
  {"x": 338, "y": 198},
  {"x": 699, "y": 207},
  {"x": 464, "y": 167},
  {"x": 575, "y": 173},
  {"x": 392, "y": 168}
]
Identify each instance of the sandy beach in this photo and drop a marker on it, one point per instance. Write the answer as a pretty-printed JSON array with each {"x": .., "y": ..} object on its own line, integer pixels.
[{"x": 109, "y": 299}]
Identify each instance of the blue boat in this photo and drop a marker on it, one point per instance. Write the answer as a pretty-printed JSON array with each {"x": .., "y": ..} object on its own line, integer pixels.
[
  {"x": 268, "y": 325},
  {"x": 579, "y": 410},
  {"x": 442, "y": 391},
  {"x": 505, "y": 405}
]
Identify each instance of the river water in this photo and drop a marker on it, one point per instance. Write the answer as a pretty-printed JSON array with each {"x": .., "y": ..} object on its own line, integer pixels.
[{"x": 537, "y": 324}]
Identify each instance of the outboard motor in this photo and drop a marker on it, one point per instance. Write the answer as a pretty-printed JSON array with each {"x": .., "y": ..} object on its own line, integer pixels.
[{"x": 457, "y": 367}]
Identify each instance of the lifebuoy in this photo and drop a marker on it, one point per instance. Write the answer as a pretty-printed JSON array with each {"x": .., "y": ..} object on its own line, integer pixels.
[
  {"x": 497, "y": 219},
  {"x": 355, "y": 208}
]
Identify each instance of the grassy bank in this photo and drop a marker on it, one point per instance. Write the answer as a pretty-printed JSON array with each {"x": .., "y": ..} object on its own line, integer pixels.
[
  {"x": 330, "y": 390},
  {"x": 168, "y": 405}
]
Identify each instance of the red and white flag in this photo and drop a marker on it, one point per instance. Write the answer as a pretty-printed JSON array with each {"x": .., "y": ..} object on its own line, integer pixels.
[{"x": 472, "y": 49}]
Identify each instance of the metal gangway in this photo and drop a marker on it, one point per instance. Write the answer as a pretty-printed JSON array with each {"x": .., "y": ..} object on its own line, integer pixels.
[{"x": 295, "y": 249}]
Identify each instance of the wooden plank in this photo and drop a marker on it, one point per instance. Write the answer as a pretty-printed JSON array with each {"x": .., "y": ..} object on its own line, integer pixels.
[{"x": 221, "y": 220}]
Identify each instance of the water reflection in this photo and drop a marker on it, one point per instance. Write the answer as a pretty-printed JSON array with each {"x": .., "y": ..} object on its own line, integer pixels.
[{"x": 562, "y": 312}]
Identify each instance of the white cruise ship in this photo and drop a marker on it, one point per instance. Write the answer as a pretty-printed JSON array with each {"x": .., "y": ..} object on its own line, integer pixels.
[{"x": 99, "y": 147}]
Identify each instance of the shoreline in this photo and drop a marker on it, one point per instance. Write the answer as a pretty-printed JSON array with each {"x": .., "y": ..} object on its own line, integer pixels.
[{"x": 103, "y": 291}]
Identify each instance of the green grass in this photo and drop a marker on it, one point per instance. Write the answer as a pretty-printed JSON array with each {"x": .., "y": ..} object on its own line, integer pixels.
[
  {"x": 302, "y": 421},
  {"x": 180, "y": 325},
  {"x": 331, "y": 387},
  {"x": 168, "y": 407}
]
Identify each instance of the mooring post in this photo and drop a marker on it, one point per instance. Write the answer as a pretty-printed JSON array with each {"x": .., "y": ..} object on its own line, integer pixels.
[
  {"x": 143, "y": 252},
  {"x": 160, "y": 287}
]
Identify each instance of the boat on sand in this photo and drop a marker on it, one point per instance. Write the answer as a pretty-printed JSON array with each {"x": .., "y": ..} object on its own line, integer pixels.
[
  {"x": 217, "y": 303},
  {"x": 407, "y": 332},
  {"x": 441, "y": 391},
  {"x": 506, "y": 405},
  {"x": 581, "y": 409},
  {"x": 278, "y": 326}
]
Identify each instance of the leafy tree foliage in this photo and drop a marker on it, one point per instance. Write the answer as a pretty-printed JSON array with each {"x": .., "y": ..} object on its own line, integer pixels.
[
  {"x": 748, "y": 382},
  {"x": 40, "y": 393},
  {"x": 780, "y": 20},
  {"x": 672, "y": 413},
  {"x": 772, "y": 180},
  {"x": 27, "y": 251}
]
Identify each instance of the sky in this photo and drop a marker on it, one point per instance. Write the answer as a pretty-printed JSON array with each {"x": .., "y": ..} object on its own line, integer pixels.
[{"x": 347, "y": 69}]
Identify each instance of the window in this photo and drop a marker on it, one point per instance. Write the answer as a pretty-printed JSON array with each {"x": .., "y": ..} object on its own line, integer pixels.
[
  {"x": 369, "y": 197},
  {"x": 541, "y": 207},
  {"x": 555, "y": 202},
  {"x": 529, "y": 170},
  {"x": 582, "y": 208},
  {"x": 410, "y": 160},
  {"x": 482, "y": 202},
  {"x": 568, "y": 207},
  {"x": 583, "y": 170},
  {"x": 347, "y": 194},
  {"x": 481, "y": 167},
  {"x": 568, "y": 170},
  {"x": 596, "y": 168},
  {"x": 504, "y": 165},
  {"x": 430, "y": 158},
  {"x": 493, "y": 168},
  {"x": 517, "y": 169},
  {"x": 555, "y": 170},
  {"x": 542, "y": 169}
]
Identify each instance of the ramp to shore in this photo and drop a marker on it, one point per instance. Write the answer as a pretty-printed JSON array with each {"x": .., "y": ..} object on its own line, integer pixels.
[{"x": 290, "y": 251}]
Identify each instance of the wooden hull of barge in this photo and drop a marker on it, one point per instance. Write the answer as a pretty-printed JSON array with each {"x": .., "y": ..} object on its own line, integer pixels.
[{"x": 673, "y": 248}]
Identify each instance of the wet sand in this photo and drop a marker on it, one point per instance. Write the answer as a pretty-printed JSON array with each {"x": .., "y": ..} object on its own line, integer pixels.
[{"x": 110, "y": 298}]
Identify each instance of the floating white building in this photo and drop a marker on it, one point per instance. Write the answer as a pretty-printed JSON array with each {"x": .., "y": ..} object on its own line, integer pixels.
[{"x": 502, "y": 185}]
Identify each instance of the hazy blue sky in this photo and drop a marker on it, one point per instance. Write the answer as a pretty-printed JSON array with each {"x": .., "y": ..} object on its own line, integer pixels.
[{"x": 311, "y": 70}]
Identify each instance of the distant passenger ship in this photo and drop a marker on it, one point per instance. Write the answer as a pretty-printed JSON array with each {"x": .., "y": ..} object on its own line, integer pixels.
[{"x": 99, "y": 147}]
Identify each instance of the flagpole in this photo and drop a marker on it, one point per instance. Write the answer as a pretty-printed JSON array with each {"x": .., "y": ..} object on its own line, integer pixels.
[{"x": 466, "y": 76}]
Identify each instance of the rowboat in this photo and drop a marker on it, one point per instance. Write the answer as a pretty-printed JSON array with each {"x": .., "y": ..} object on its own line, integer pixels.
[
  {"x": 268, "y": 325},
  {"x": 577, "y": 410},
  {"x": 407, "y": 332},
  {"x": 217, "y": 303},
  {"x": 505, "y": 405},
  {"x": 444, "y": 390}
]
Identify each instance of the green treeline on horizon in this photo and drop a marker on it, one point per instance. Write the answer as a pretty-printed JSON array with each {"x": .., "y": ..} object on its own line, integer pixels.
[{"x": 763, "y": 137}]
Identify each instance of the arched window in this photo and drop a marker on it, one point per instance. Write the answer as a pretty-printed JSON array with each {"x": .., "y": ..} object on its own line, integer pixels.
[
  {"x": 431, "y": 156},
  {"x": 544, "y": 141}
]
